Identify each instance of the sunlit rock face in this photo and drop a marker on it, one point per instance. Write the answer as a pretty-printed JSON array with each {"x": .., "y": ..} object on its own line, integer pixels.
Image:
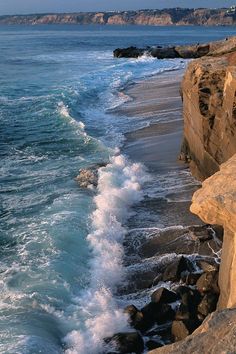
[
  {"x": 216, "y": 335},
  {"x": 215, "y": 203},
  {"x": 209, "y": 100}
]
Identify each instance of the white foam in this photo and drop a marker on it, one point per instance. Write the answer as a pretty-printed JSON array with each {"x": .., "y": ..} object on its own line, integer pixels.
[
  {"x": 64, "y": 111},
  {"x": 119, "y": 188}
]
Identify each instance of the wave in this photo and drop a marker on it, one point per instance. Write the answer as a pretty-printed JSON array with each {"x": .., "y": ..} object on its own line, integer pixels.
[
  {"x": 119, "y": 187},
  {"x": 64, "y": 111}
]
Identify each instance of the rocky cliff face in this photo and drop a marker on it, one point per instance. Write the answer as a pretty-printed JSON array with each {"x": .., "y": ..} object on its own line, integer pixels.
[
  {"x": 215, "y": 203},
  {"x": 209, "y": 100},
  {"x": 215, "y": 336},
  {"x": 176, "y": 16}
]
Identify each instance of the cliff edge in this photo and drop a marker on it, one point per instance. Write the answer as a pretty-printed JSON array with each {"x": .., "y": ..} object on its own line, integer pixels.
[
  {"x": 209, "y": 109},
  {"x": 215, "y": 203}
]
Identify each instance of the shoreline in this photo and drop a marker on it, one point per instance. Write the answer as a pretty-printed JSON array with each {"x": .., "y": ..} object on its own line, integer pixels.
[{"x": 162, "y": 229}]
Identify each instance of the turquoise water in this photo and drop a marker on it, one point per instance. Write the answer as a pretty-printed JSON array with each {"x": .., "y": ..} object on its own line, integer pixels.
[{"x": 57, "y": 86}]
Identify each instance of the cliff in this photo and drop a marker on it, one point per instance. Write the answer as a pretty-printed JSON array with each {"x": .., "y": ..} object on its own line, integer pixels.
[
  {"x": 215, "y": 203},
  {"x": 209, "y": 97},
  {"x": 215, "y": 336},
  {"x": 209, "y": 109},
  {"x": 173, "y": 16}
]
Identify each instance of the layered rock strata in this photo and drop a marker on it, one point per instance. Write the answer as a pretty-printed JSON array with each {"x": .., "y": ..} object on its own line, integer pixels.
[{"x": 209, "y": 109}]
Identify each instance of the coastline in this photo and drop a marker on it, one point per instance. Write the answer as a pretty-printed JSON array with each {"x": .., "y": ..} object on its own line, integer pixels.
[{"x": 162, "y": 228}]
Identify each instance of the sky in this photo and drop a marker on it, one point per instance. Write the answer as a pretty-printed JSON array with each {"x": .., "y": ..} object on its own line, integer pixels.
[{"x": 41, "y": 6}]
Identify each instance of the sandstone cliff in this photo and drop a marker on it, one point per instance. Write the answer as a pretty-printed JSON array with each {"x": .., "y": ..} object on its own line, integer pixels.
[
  {"x": 173, "y": 16},
  {"x": 215, "y": 203},
  {"x": 209, "y": 108},
  {"x": 215, "y": 336}
]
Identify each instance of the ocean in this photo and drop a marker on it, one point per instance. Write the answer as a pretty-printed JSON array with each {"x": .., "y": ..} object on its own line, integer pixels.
[{"x": 61, "y": 246}]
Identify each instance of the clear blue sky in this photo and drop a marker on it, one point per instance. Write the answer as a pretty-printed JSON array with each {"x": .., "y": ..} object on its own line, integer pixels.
[{"x": 36, "y": 6}]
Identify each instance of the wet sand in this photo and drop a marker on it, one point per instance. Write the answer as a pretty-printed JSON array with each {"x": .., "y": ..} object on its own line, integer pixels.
[
  {"x": 169, "y": 191},
  {"x": 158, "y": 101}
]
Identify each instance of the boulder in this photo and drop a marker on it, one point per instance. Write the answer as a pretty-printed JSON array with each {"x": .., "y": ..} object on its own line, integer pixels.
[
  {"x": 208, "y": 282},
  {"x": 130, "y": 52},
  {"x": 190, "y": 278},
  {"x": 157, "y": 313},
  {"x": 174, "y": 270},
  {"x": 124, "y": 343},
  {"x": 88, "y": 177},
  {"x": 163, "y": 295},
  {"x": 181, "y": 329},
  {"x": 207, "y": 305},
  {"x": 136, "y": 318}
]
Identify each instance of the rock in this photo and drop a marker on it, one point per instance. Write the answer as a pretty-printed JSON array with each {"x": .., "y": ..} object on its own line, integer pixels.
[
  {"x": 190, "y": 299},
  {"x": 130, "y": 342},
  {"x": 174, "y": 270},
  {"x": 215, "y": 335},
  {"x": 164, "y": 53},
  {"x": 136, "y": 317},
  {"x": 190, "y": 278},
  {"x": 208, "y": 266},
  {"x": 157, "y": 313},
  {"x": 191, "y": 52},
  {"x": 207, "y": 305},
  {"x": 130, "y": 52},
  {"x": 181, "y": 329},
  {"x": 163, "y": 295},
  {"x": 208, "y": 282},
  {"x": 88, "y": 177},
  {"x": 209, "y": 110},
  {"x": 215, "y": 203},
  {"x": 153, "y": 344}
]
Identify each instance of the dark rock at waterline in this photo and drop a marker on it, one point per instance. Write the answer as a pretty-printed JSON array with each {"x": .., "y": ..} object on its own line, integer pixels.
[
  {"x": 184, "y": 52},
  {"x": 157, "y": 313},
  {"x": 207, "y": 305},
  {"x": 130, "y": 52},
  {"x": 130, "y": 342},
  {"x": 190, "y": 278},
  {"x": 153, "y": 344},
  {"x": 163, "y": 295},
  {"x": 136, "y": 318},
  {"x": 208, "y": 282},
  {"x": 189, "y": 297},
  {"x": 174, "y": 270}
]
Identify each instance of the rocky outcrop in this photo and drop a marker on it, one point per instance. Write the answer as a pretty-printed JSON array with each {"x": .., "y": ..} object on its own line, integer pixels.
[
  {"x": 215, "y": 336},
  {"x": 215, "y": 202},
  {"x": 212, "y": 49},
  {"x": 173, "y": 16},
  {"x": 184, "y": 52},
  {"x": 209, "y": 109}
]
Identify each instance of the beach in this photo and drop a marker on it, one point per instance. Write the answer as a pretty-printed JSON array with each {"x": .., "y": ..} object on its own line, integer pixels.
[{"x": 162, "y": 228}]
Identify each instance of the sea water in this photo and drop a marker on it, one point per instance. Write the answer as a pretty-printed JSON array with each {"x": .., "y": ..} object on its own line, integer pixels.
[{"x": 61, "y": 246}]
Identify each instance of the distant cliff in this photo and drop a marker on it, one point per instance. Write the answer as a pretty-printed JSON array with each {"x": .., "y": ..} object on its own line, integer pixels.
[{"x": 175, "y": 16}]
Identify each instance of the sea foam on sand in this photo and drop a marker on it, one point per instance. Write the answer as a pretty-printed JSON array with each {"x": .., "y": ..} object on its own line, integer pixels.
[{"x": 119, "y": 187}]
